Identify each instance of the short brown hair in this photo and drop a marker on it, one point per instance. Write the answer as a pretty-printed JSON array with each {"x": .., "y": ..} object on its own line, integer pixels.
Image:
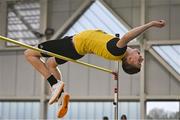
[
  {"x": 123, "y": 117},
  {"x": 128, "y": 68}
]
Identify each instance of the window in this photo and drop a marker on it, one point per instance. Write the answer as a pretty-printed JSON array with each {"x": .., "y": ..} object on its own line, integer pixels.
[
  {"x": 163, "y": 110},
  {"x": 19, "y": 110},
  {"x": 96, "y": 110},
  {"x": 23, "y": 21},
  {"x": 171, "y": 54},
  {"x": 103, "y": 19}
]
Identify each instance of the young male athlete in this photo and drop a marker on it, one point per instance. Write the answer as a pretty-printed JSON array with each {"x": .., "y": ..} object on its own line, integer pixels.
[{"x": 89, "y": 41}]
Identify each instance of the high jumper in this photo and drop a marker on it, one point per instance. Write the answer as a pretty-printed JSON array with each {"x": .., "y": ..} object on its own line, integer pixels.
[{"x": 76, "y": 46}]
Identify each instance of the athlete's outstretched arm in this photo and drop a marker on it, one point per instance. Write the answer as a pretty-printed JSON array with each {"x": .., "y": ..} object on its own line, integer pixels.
[{"x": 137, "y": 31}]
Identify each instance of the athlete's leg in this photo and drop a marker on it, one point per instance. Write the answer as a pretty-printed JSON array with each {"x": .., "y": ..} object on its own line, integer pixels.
[
  {"x": 63, "y": 97},
  {"x": 57, "y": 89},
  {"x": 53, "y": 69},
  {"x": 33, "y": 57}
]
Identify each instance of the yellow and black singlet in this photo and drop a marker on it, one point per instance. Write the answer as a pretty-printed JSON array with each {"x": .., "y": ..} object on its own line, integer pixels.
[
  {"x": 89, "y": 41},
  {"x": 100, "y": 43}
]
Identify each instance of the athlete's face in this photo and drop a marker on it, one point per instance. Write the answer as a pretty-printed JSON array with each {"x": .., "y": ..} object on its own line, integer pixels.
[{"x": 135, "y": 58}]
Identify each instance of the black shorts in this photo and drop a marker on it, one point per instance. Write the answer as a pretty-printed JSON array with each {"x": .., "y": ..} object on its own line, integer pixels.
[{"x": 64, "y": 47}]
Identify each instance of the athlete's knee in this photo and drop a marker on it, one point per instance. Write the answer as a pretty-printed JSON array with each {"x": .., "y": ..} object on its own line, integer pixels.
[
  {"x": 27, "y": 53},
  {"x": 31, "y": 53},
  {"x": 51, "y": 62}
]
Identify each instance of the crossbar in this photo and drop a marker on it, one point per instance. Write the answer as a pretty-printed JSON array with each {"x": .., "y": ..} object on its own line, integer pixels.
[{"x": 55, "y": 55}]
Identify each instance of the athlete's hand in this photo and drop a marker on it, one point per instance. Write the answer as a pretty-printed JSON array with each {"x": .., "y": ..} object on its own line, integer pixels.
[{"x": 158, "y": 23}]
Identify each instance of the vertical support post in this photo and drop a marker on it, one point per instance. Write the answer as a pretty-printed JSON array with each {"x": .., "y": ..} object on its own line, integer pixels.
[
  {"x": 43, "y": 25},
  {"x": 3, "y": 21},
  {"x": 179, "y": 111},
  {"x": 116, "y": 88},
  {"x": 142, "y": 74}
]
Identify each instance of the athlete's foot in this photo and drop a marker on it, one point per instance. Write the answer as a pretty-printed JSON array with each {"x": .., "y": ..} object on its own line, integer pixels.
[
  {"x": 56, "y": 91},
  {"x": 63, "y": 105}
]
